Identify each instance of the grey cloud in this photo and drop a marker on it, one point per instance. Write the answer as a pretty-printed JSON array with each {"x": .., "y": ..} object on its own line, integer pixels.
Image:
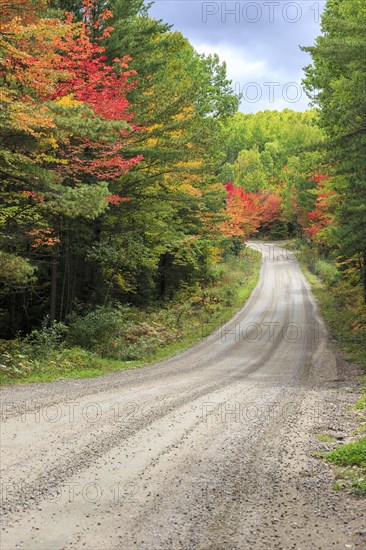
[{"x": 265, "y": 31}]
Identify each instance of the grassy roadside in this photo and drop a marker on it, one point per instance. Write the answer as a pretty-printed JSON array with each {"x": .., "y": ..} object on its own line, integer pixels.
[
  {"x": 345, "y": 315},
  {"x": 110, "y": 340}
]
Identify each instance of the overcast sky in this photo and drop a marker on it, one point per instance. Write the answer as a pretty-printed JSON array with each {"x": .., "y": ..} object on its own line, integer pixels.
[{"x": 259, "y": 40}]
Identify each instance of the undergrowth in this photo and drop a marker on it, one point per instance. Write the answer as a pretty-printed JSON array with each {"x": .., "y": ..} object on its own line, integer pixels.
[{"x": 116, "y": 337}]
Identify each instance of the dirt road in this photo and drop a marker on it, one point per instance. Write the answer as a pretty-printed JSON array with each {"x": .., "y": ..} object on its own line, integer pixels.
[{"x": 210, "y": 449}]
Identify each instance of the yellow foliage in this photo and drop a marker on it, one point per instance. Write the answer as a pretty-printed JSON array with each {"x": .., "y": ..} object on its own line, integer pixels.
[
  {"x": 185, "y": 114},
  {"x": 153, "y": 127},
  {"x": 152, "y": 142},
  {"x": 190, "y": 190},
  {"x": 29, "y": 118},
  {"x": 120, "y": 280},
  {"x": 190, "y": 164},
  {"x": 42, "y": 157},
  {"x": 215, "y": 254},
  {"x": 50, "y": 141},
  {"x": 68, "y": 101},
  {"x": 349, "y": 265}
]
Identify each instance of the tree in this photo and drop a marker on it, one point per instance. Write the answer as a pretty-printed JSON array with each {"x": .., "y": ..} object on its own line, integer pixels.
[
  {"x": 111, "y": 145},
  {"x": 336, "y": 82},
  {"x": 66, "y": 123},
  {"x": 180, "y": 99},
  {"x": 249, "y": 170},
  {"x": 247, "y": 212}
]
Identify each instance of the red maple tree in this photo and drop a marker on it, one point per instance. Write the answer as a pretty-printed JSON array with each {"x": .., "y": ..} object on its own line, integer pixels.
[{"x": 247, "y": 211}]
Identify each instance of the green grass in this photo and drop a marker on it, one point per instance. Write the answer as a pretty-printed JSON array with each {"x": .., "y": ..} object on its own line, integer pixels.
[
  {"x": 350, "y": 454},
  {"x": 155, "y": 334},
  {"x": 66, "y": 363},
  {"x": 361, "y": 404},
  {"x": 344, "y": 313},
  {"x": 350, "y": 460},
  {"x": 324, "y": 437}
]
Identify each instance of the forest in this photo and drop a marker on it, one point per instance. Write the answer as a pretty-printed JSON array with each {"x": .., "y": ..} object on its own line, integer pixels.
[{"x": 130, "y": 181}]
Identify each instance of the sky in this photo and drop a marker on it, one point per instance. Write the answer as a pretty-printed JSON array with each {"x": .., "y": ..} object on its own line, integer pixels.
[{"x": 258, "y": 39}]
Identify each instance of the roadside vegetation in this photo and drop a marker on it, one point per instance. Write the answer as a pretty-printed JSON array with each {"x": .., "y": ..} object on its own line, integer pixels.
[
  {"x": 116, "y": 337},
  {"x": 350, "y": 466},
  {"x": 339, "y": 294},
  {"x": 340, "y": 301}
]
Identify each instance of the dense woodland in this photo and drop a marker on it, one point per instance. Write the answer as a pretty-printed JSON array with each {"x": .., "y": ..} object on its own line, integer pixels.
[{"x": 127, "y": 171}]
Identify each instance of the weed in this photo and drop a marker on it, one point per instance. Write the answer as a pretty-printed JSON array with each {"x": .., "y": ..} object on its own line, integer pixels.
[{"x": 324, "y": 437}]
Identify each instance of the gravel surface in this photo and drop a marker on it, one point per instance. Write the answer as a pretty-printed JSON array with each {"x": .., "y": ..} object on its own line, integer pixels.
[{"x": 209, "y": 449}]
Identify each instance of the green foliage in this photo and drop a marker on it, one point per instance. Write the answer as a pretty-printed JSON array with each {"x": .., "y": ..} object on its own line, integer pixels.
[
  {"x": 15, "y": 362},
  {"x": 113, "y": 338},
  {"x": 131, "y": 236},
  {"x": 341, "y": 304},
  {"x": 121, "y": 333},
  {"x": 249, "y": 170},
  {"x": 276, "y": 135},
  {"x": 280, "y": 153},
  {"x": 49, "y": 336},
  {"x": 336, "y": 82},
  {"x": 27, "y": 360},
  {"x": 326, "y": 271},
  {"x": 129, "y": 333},
  {"x": 15, "y": 270},
  {"x": 350, "y": 454},
  {"x": 41, "y": 351}
]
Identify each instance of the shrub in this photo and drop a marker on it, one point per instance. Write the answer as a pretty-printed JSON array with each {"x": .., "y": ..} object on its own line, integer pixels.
[
  {"x": 14, "y": 359},
  {"x": 326, "y": 271},
  {"x": 95, "y": 329},
  {"x": 124, "y": 333},
  {"x": 49, "y": 337}
]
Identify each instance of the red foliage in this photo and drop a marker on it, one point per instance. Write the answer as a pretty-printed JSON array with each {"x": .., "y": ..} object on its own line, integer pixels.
[
  {"x": 36, "y": 196},
  {"x": 64, "y": 62},
  {"x": 321, "y": 215},
  {"x": 43, "y": 237},
  {"x": 104, "y": 89},
  {"x": 247, "y": 211},
  {"x": 116, "y": 199},
  {"x": 24, "y": 9},
  {"x": 319, "y": 178},
  {"x": 271, "y": 208}
]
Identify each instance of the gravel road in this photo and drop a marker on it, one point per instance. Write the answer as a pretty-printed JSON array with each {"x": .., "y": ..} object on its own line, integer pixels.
[{"x": 209, "y": 449}]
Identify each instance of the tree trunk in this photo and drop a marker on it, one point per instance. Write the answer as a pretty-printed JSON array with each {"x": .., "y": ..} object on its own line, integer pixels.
[
  {"x": 364, "y": 276},
  {"x": 53, "y": 293},
  {"x": 162, "y": 265}
]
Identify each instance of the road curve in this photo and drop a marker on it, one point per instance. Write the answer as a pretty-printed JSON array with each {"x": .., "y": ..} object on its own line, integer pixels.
[{"x": 209, "y": 449}]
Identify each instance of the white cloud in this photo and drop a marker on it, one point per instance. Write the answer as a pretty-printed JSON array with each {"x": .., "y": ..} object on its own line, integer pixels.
[
  {"x": 262, "y": 86},
  {"x": 239, "y": 66}
]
